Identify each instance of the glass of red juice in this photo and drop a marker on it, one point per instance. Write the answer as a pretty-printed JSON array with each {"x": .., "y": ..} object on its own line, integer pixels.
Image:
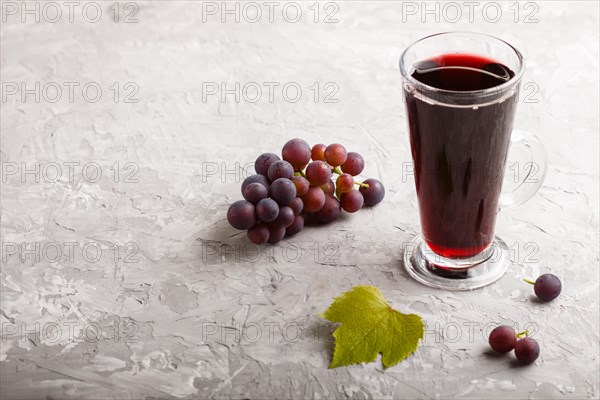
[{"x": 461, "y": 91}]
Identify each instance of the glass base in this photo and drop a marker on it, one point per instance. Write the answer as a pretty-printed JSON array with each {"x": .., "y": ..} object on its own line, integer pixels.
[{"x": 440, "y": 272}]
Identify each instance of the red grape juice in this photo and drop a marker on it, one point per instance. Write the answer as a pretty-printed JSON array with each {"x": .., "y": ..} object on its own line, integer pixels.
[{"x": 459, "y": 141}]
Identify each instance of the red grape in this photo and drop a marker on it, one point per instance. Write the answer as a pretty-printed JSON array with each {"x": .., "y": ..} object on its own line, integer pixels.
[
  {"x": 318, "y": 152},
  {"x": 374, "y": 193},
  {"x": 280, "y": 169},
  {"x": 258, "y": 234},
  {"x": 503, "y": 339},
  {"x": 302, "y": 185},
  {"x": 267, "y": 210},
  {"x": 354, "y": 164},
  {"x": 527, "y": 350},
  {"x": 296, "y": 226},
  {"x": 296, "y": 152},
  {"x": 241, "y": 215},
  {"x": 331, "y": 210},
  {"x": 335, "y": 154},
  {"x": 344, "y": 183},
  {"x": 255, "y": 192},
  {"x": 314, "y": 199},
  {"x": 255, "y": 178},
  {"x": 280, "y": 199},
  {"x": 264, "y": 161},
  {"x": 547, "y": 287},
  {"x": 283, "y": 191},
  {"x": 276, "y": 233},
  {"x": 297, "y": 205},
  {"x": 318, "y": 173},
  {"x": 329, "y": 187},
  {"x": 352, "y": 201},
  {"x": 285, "y": 218},
  {"x": 308, "y": 217}
]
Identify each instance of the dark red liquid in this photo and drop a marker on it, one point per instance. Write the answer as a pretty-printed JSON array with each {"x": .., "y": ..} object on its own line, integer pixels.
[{"x": 459, "y": 150}]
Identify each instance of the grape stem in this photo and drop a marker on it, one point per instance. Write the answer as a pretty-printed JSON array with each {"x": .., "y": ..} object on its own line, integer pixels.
[
  {"x": 300, "y": 173},
  {"x": 529, "y": 281},
  {"x": 524, "y": 333},
  {"x": 338, "y": 171}
]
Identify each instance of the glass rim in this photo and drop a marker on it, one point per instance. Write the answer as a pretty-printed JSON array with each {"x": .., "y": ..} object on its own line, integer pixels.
[{"x": 480, "y": 92}]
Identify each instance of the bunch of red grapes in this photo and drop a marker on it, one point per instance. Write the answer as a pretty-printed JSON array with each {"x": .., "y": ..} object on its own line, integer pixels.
[{"x": 284, "y": 194}]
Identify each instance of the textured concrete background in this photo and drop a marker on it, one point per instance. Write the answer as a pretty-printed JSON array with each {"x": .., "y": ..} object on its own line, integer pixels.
[{"x": 121, "y": 277}]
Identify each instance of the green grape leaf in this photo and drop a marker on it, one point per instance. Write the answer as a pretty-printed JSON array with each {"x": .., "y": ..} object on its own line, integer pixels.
[{"x": 369, "y": 326}]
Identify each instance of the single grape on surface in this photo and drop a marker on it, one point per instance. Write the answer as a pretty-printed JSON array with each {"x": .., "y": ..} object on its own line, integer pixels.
[
  {"x": 318, "y": 152},
  {"x": 314, "y": 199},
  {"x": 503, "y": 339},
  {"x": 258, "y": 234},
  {"x": 256, "y": 178},
  {"x": 352, "y": 201},
  {"x": 267, "y": 210},
  {"x": 547, "y": 287},
  {"x": 302, "y": 185},
  {"x": 344, "y": 183},
  {"x": 318, "y": 173},
  {"x": 241, "y": 215},
  {"x": 297, "y": 152},
  {"x": 330, "y": 211},
  {"x": 527, "y": 350},
  {"x": 283, "y": 191},
  {"x": 354, "y": 164},
  {"x": 374, "y": 193},
  {"x": 264, "y": 161},
  {"x": 280, "y": 169},
  {"x": 255, "y": 192},
  {"x": 335, "y": 154}
]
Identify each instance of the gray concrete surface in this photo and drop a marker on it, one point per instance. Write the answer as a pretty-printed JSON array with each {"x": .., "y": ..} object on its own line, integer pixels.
[{"x": 121, "y": 277}]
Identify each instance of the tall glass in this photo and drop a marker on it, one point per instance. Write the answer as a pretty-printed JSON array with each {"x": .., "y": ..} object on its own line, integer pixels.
[{"x": 460, "y": 139}]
